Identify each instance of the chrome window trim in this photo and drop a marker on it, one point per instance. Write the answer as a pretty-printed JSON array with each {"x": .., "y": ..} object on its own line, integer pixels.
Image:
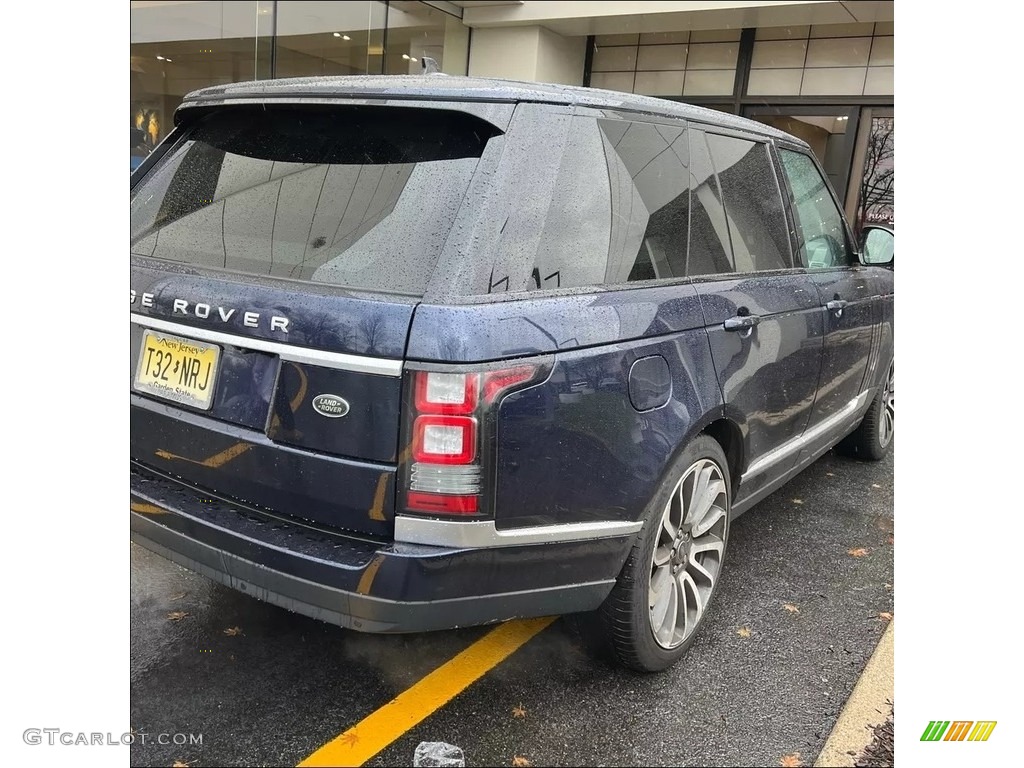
[
  {"x": 339, "y": 360},
  {"x": 790, "y": 447},
  {"x": 484, "y": 533}
]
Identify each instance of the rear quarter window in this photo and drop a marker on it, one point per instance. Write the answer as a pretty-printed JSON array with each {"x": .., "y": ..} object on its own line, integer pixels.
[
  {"x": 357, "y": 196},
  {"x": 608, "y": 202}
]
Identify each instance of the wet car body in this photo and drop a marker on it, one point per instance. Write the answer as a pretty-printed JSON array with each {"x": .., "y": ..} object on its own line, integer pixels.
[{"x": 582, "y": 383}]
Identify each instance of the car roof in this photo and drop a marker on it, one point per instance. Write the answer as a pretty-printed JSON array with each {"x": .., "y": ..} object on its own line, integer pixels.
[{"x": 455, "y": 88}]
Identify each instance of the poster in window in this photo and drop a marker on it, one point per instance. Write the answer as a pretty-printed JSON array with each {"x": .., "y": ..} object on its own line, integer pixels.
[{"x": 876, "y": 186}]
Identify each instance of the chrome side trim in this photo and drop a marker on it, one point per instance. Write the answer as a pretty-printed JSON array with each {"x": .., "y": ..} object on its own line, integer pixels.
[
  {"x": 340, "y": 360},
  {"x": 483, "y": 533},
  {"x": 802, "y": 441}
]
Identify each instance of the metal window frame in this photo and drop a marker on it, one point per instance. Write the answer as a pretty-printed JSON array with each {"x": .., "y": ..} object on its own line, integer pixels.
[{"x": 794, "y": 108}]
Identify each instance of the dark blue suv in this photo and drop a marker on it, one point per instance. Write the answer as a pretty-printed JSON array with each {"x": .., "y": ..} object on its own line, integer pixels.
[{"x": 410, "y": 353}]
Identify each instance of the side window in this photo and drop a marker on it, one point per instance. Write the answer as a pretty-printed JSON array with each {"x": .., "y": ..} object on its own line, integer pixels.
[
  {"x": 821, "y": 234},
  {"x": 619, "y": 206},
  {"x": 709, "y": 251},
  {"x": 647, "y": 168},
  {"x": 753, "y": 204}
]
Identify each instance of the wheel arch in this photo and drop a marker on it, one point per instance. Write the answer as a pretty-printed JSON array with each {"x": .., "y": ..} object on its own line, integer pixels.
[{"x": 729, "y": 436}]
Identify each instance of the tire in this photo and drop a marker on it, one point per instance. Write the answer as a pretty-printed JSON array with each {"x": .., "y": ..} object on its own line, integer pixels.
[
  {"x": 628, "y": 619},
  {"x": 871, "y": 440}
]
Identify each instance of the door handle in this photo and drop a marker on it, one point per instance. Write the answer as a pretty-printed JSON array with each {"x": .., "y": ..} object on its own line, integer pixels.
[
  {"x": 837, "y": 306},
  {"x": 742, "y": 322}
]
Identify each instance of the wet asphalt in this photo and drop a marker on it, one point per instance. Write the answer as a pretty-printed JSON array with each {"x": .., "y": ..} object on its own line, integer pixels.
[{"x": 794, "y": 622}]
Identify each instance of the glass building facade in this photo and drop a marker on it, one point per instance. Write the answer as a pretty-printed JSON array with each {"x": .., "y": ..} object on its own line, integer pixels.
[
  {"x": 830, "y": 84},
  {"x": 177, "y": 47}
]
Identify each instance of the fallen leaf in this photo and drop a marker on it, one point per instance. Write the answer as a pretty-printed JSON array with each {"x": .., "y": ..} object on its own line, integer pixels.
[
  {"x": 857, "y": 552},
  {"x": 829, "y": 474},
  {"x": 521, "y": 762},
  {"x": 743, "y": 632},
  {"x": 791, "y": 608},
  {"x": 885, "y": 616},
  {"x": 180, "y": 764},
  {"x": 791, "y": 761},
  {"x": 232, "y": 631},
  {"x": 350, "y": 738},
  {"x": 518, "y": 711},
  {"x": 178, "y": 597},
  {"x": 177, "y": 615},
  {"x": 888, "y": 586},
  {"x": 892, "y": 539},
  {"x": 797, "y": 501}
]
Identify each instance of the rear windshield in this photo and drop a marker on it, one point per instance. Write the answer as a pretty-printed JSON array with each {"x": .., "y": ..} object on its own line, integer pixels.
[{"x": 356, "y": 196}]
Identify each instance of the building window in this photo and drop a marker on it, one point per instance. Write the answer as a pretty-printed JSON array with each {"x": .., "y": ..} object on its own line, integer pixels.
[
  {"x": 179, "y": 47},
  {"x": 329, "y": 38},
  {"x": 877, "y": 181},
  {"x": 416, "y": 30}
]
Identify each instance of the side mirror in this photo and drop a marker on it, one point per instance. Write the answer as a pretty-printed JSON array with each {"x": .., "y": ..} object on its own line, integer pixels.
[{"x": 877, "y": 246}]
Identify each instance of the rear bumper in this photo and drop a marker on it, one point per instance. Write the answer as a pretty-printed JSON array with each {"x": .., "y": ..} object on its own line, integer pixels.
[{"x": 364, "y": 585}]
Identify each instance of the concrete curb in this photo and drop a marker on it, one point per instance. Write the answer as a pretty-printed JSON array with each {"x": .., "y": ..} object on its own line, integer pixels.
[{"x": 867, "y": 706}]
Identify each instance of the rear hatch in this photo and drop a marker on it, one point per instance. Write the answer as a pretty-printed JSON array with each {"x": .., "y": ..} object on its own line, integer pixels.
[{"x": 278, "y": 254}]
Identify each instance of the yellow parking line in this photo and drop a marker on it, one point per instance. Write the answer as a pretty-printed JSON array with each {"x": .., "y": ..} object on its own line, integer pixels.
[
  {"x": 376, "y": 731},
  {"x": 369, "y": 575},
  {"x": 147, "y": 509},
  {"x": 216, "y": 461}
]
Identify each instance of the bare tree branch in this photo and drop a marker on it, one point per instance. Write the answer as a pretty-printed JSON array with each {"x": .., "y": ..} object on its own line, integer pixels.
[{"x": 878, "y": 179}]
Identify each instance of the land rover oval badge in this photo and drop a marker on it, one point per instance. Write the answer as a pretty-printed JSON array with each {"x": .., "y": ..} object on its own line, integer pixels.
[{"x": 331, "y": 406}]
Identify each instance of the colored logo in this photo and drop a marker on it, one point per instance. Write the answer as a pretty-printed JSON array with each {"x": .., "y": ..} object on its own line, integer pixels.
[{"x": 958, "y": 730}]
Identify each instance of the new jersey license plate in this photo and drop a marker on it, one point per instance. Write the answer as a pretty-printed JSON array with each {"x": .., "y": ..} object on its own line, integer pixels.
[{"x": 177, "y": 369}]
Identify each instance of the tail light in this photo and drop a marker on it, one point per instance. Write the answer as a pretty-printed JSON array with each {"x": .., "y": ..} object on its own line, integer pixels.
[
  {"x": 449, "y": 433},
  {"x": 444, "y": 439}
]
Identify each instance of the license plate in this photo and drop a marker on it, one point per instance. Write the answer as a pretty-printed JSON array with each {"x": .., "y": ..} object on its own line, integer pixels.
[{"x": 177, "y": 369}]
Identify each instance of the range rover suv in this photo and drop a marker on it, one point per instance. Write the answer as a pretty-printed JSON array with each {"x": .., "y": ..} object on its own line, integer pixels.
[{"x": 411, "y": 353}]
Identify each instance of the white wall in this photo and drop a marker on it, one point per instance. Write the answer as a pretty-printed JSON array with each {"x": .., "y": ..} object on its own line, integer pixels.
[
  {"x": 527, "y": 53},
  {"x": 504, "y": 52},
  {"x": 560, "y": 59},
  {"x": 456, "y": 46}
]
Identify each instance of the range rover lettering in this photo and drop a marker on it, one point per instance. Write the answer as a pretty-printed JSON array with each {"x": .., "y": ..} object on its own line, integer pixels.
[{"x": 411, "y": 353}]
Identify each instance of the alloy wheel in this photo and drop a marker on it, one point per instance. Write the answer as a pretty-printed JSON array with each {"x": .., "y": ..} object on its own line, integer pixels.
[
  {"x": 886, "y": 424},
  {"x": 688, "y": 553}
]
